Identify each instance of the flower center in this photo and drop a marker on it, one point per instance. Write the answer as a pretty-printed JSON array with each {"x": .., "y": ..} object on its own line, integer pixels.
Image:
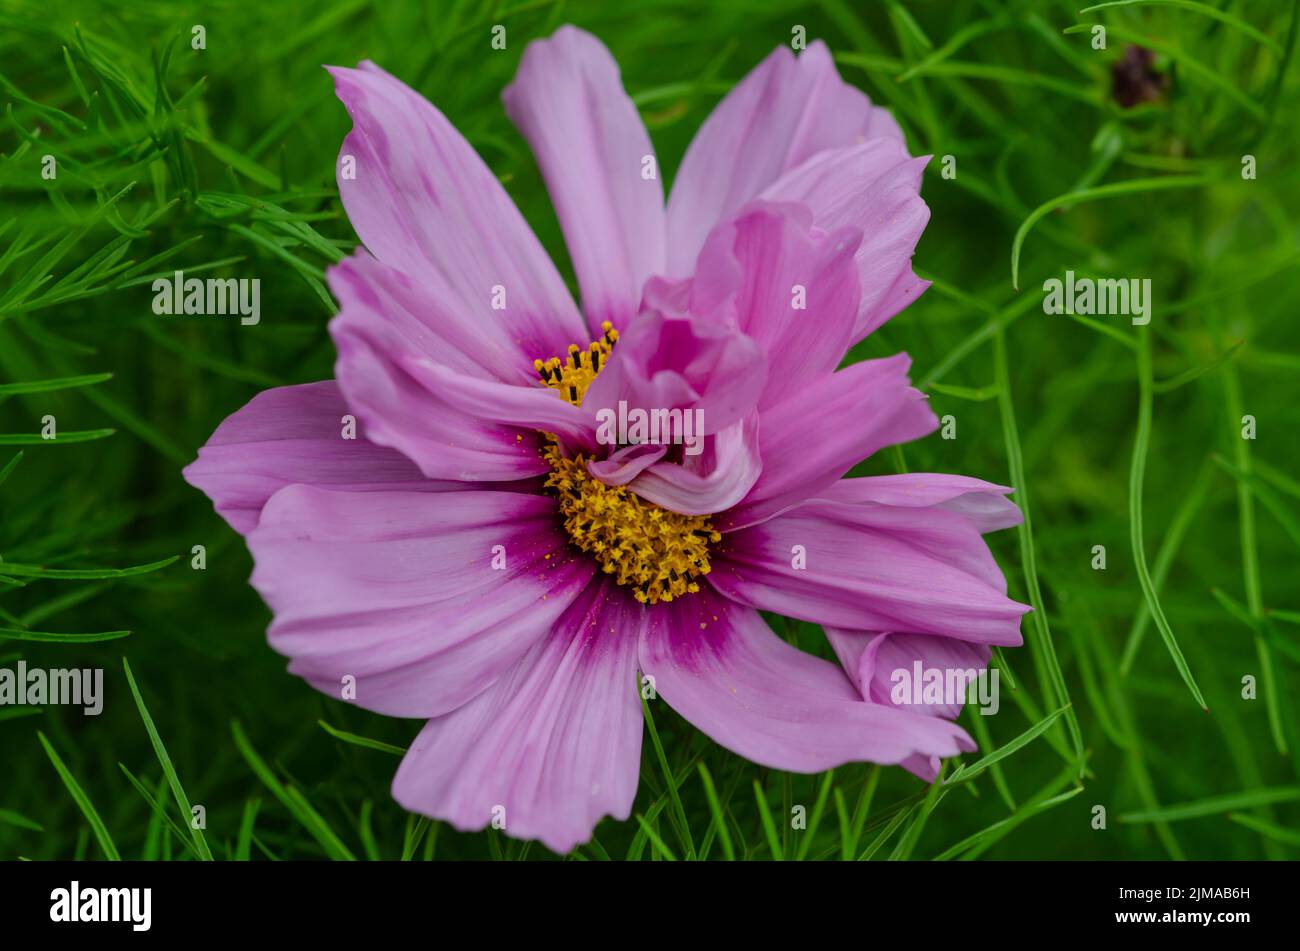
[{"x": 658, "y": 553}]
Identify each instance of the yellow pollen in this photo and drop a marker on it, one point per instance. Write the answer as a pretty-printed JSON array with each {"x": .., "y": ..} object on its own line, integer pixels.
[
  {"x": 658, "y": 553},
  {"x": 571, "y": 376}
]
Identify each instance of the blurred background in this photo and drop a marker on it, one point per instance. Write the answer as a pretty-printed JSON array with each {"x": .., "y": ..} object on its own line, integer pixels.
[{"x": 1162, "y": 149}]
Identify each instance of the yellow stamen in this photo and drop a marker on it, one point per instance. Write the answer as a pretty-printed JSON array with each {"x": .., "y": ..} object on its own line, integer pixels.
[
  {"x": 571, "y": 376},
  {"x": 658, "y": 553}
]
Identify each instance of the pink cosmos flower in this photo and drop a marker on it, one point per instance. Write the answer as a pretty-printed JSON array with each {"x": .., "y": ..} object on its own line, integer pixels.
[{"x": 476, "y": 556}]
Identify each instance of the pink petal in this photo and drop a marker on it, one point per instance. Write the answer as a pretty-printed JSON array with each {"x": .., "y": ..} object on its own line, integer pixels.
[
  {"x": 424, "y": 203},
  {"x": 624, "y": 465},
  {"x": 406, "y": 593},
  {"x": 871, "y": 567},
  {"x": 712, "y": 481},
  {"x": 533, "y": 407},
  {"x": 721, "y": 667},
  {"x": 793, "y": 291},
  {"x": 982, "y": 503},
  {"x": 781, "y": 114},
  {"x": 681, "y": 363},
  {"x": 294, "y": 434},
  {"x": 377, "y": 339},
  {"x": 811, "y": 439},
  {"x": 410, "y": 318},
  {"x": 668, "y": 295},
  {"x": 843, "y": 108},
  {"x": 874, "y": 187},
  {"x": 870, "y": 660},
  {"x": 555, "y": 744},
  {"x": 568, "y": 101}
]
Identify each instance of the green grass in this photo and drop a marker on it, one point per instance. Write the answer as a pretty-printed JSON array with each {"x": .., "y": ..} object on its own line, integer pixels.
[{"x": 221, "y": 161}]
